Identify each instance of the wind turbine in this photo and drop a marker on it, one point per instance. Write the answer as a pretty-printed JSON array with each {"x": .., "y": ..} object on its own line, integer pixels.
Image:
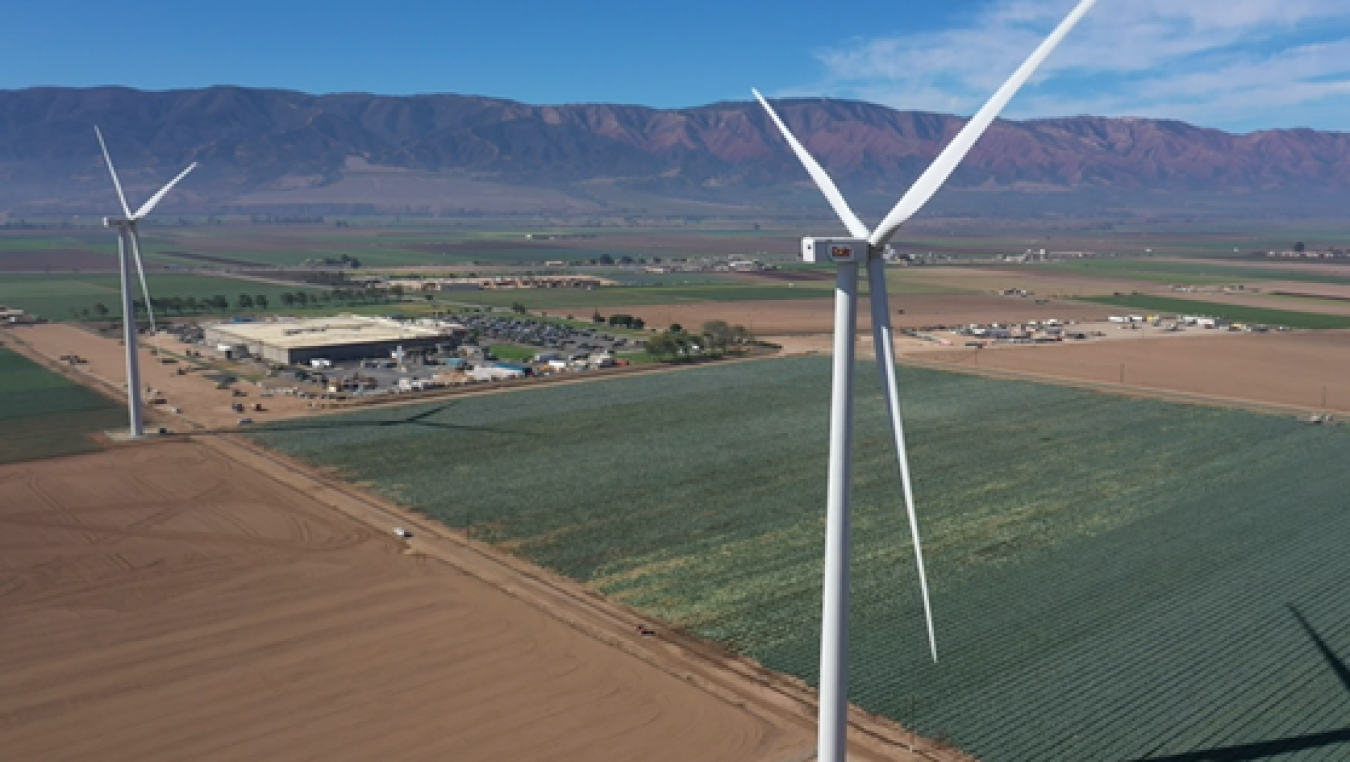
[
  {"x": 129, "y": 249},
  {"x": 847, "y": 253}
]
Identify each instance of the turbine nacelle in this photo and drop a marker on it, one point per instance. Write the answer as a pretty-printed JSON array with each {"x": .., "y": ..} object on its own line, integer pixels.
[{"x": 836, "y": 250}]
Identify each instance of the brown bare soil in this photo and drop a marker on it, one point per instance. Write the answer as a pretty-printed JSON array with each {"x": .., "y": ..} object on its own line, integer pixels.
[
  {"x": 163, "y": 602},
  {"x": 1288, "y": 369},
  {"x": 817, "y": 315}
]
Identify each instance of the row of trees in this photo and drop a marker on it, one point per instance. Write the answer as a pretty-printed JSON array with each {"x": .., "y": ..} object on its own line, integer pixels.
[
  {"x": 193, "y": 305},
  {"x": 620, "y": 321},
  {"x": 716, "y": 339}
]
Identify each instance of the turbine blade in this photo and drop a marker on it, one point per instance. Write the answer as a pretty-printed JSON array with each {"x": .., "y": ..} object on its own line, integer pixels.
[
  {"x": 145, "y": 289},
  {"x": 885, "y": 352},
  {"x": 855, "y": 226},
  {"x": 116, "y": 183},
  {"x": 946, "y": 162},
  {"x": 149, "y": 206}
]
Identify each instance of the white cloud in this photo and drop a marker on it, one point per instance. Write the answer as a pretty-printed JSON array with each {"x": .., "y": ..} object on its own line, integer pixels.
[{"x": 1227, "y": 63}]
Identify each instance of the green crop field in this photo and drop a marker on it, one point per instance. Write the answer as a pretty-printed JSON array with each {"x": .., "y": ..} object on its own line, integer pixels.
[
  {"x": 43, "y": 414},
  {"x": 1112, "y": 577},
  {"x": 53, "y": 296},
  {"x": 582, "y": 299},
  {"x": 1237, "y": 313}
]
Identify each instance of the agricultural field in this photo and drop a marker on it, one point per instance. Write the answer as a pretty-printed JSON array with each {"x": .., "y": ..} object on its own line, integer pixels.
[
  {"x": 392, "y": 245},
  {"x": 396, "y": 243},
  {"x": 1208, "y": 272},
  {"x": 1113, "y": 578},
  {"x": 799, "y": 285},
  {"x": 43, "y": 414},
  {"x": 1234, "y": 312},
  {"x": 61, "y": 296},
  {"x": 583, "y": 299}
]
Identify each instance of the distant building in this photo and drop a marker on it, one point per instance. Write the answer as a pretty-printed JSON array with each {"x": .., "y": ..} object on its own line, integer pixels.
[
  {"x": 295, "y": 342},
  {"x": 13, "y": 316}
]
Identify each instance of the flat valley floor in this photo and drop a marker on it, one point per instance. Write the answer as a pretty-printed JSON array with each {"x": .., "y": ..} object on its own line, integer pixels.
[{"x": 165, "y": 601}]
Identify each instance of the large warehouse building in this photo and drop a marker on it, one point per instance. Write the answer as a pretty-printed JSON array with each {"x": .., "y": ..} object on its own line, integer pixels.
[{"x": 295, "y": 342}]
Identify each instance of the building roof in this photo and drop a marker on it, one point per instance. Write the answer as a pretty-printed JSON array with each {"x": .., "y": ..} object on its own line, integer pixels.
[{"x": 326, "y": 332}]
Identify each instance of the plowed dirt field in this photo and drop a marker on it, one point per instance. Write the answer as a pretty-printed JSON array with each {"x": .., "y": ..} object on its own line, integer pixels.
[{"x": 165, "y": 601}]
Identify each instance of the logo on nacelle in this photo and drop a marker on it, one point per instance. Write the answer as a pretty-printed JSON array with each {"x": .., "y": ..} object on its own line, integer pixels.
[{"x": 839, "y": 253}]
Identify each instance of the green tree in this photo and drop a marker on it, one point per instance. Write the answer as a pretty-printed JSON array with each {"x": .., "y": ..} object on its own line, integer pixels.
[
  {"x": 717, "y": 335},
  {"x": 245, "y": 302},
  {"x": 662, "y": 346},
  {"x": 100, "y": 310},
  {"x": 686, "y": 345},
  {"x": 261, "y": 301}
]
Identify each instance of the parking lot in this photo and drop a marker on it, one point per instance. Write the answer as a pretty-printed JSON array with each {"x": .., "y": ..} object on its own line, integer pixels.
[{"x": 542, "y": 333}]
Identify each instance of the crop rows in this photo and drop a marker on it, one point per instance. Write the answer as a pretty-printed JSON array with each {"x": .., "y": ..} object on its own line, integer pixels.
[
  {"x": 1111, "y": 576},
  {"x": 43, "y": 414}
]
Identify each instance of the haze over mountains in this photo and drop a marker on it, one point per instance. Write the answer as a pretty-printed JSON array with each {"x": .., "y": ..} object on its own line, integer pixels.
[{"x": 273, "y": 151}]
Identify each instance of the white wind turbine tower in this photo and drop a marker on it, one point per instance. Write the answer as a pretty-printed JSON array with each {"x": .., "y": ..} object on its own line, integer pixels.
[
  {"x": 129, "y": 249},
  {"x": 846, "y": 254}
]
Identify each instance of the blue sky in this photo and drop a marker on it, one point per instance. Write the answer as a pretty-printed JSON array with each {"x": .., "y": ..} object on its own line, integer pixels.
[{"x": 1234, "y": 64}]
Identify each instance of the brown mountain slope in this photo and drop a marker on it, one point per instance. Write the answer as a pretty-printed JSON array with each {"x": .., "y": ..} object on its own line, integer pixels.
[{"x": 285, "y": 145}]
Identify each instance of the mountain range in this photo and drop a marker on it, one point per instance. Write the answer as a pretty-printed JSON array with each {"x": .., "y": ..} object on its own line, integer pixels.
[{"x": 264, "y": 150}]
